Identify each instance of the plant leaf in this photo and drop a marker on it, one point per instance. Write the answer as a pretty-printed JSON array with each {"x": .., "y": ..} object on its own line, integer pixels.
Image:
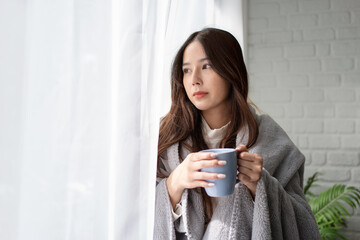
[
  {"x": 329, "y": 206},
  {"x": 311, "y": 180}
]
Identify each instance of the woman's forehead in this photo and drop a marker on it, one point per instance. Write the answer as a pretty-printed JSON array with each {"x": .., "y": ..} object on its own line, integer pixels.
[{"x": 194, "y": 52}]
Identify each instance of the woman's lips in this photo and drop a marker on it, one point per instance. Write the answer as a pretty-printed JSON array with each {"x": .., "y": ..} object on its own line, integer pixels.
[{"x": 199, "y": 94}]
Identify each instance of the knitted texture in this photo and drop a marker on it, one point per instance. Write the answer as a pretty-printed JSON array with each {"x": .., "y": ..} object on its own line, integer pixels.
[{"x": 280, "y": 210}]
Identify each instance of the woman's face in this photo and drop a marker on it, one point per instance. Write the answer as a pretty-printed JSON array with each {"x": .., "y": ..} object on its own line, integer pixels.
[{"x": 204, "y": 87}]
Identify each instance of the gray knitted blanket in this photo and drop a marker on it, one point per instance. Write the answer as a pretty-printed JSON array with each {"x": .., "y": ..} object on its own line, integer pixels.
[{"x": 280, "y": 210}]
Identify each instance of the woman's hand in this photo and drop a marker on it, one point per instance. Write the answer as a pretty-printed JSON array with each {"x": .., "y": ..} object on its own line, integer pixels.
[
  {"x": 249, "y": 168},
  {"x": 188, "y": 174}
]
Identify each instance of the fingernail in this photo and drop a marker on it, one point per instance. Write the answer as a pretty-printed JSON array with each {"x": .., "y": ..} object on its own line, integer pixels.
[
  {"x": 221, "y": 175},
  {"x": 222, "y": 163},
  {"x": 213, "y": 155},
  {"x": 211, "y": 184}
]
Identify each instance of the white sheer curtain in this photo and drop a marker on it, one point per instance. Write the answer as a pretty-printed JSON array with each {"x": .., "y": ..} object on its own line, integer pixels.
[{"x": 82, "y": 86}]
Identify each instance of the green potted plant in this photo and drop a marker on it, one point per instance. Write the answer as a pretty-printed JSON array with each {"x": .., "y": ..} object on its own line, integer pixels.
[{"x": 330, "y": 206}]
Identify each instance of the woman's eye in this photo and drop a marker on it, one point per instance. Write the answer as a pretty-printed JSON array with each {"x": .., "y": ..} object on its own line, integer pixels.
[
  {"x": 186, "y": 70},
  {"x": 206, "y": 66}
]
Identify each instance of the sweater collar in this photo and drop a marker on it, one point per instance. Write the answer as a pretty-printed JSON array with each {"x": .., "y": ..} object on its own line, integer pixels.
[{"x": 213, "y": 137}]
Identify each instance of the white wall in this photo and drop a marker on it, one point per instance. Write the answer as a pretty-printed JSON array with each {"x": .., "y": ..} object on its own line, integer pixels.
[{"x": 304, "y": 68}]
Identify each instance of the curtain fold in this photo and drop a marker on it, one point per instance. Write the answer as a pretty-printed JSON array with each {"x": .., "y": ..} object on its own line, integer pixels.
[{"x": 81, "y": 99}]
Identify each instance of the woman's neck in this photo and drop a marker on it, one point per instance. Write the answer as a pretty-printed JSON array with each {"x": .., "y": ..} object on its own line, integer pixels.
[{"x": 216, "y": 120}]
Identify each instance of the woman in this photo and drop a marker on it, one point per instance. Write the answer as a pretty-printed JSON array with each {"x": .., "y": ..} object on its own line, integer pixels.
[{"x": 209, "y": 110}]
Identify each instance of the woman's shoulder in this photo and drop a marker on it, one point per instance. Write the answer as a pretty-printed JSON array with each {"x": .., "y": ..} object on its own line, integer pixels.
[
  {"x": 265, "y": 121},
  {"x": 281, "y": 155},
  {"x": 272, "y": 133}
]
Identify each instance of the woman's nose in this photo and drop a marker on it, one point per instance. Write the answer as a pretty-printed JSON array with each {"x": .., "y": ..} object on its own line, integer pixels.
[{"x": 196, "y": 79}]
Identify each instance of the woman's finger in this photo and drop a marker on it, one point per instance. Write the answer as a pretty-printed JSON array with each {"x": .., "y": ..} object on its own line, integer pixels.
[
  {"x": 250, "y": 156},
  {"x": 200, "y": 183},
  {"x": 202, "y": 156},
  {"x": 245, "y": 171},
  {"x": 241, "y": 148},
  {"x": 241, "y": 164},
  {"x": 252, "y": 176},
  {"x": 208, "y": 163},
  {"x": 250, "y": 165},
  {"x": 207, "y": 175}
]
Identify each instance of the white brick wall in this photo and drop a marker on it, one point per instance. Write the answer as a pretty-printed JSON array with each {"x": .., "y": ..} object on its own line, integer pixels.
[{"x": 304, "y": 70}]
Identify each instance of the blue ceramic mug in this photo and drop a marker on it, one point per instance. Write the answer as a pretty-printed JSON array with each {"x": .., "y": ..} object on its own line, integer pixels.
[{"x": 226, "y": 185}]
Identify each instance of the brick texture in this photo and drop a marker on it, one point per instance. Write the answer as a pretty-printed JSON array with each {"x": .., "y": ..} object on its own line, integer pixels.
[{"x": 304, "y": 71}]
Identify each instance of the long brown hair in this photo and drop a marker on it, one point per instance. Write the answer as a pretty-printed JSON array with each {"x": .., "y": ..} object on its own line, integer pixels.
[{"x": 183, "y": 121}]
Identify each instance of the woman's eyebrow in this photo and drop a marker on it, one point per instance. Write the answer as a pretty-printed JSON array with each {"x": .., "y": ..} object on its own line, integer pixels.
[{"x": 201, "y": 60}]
